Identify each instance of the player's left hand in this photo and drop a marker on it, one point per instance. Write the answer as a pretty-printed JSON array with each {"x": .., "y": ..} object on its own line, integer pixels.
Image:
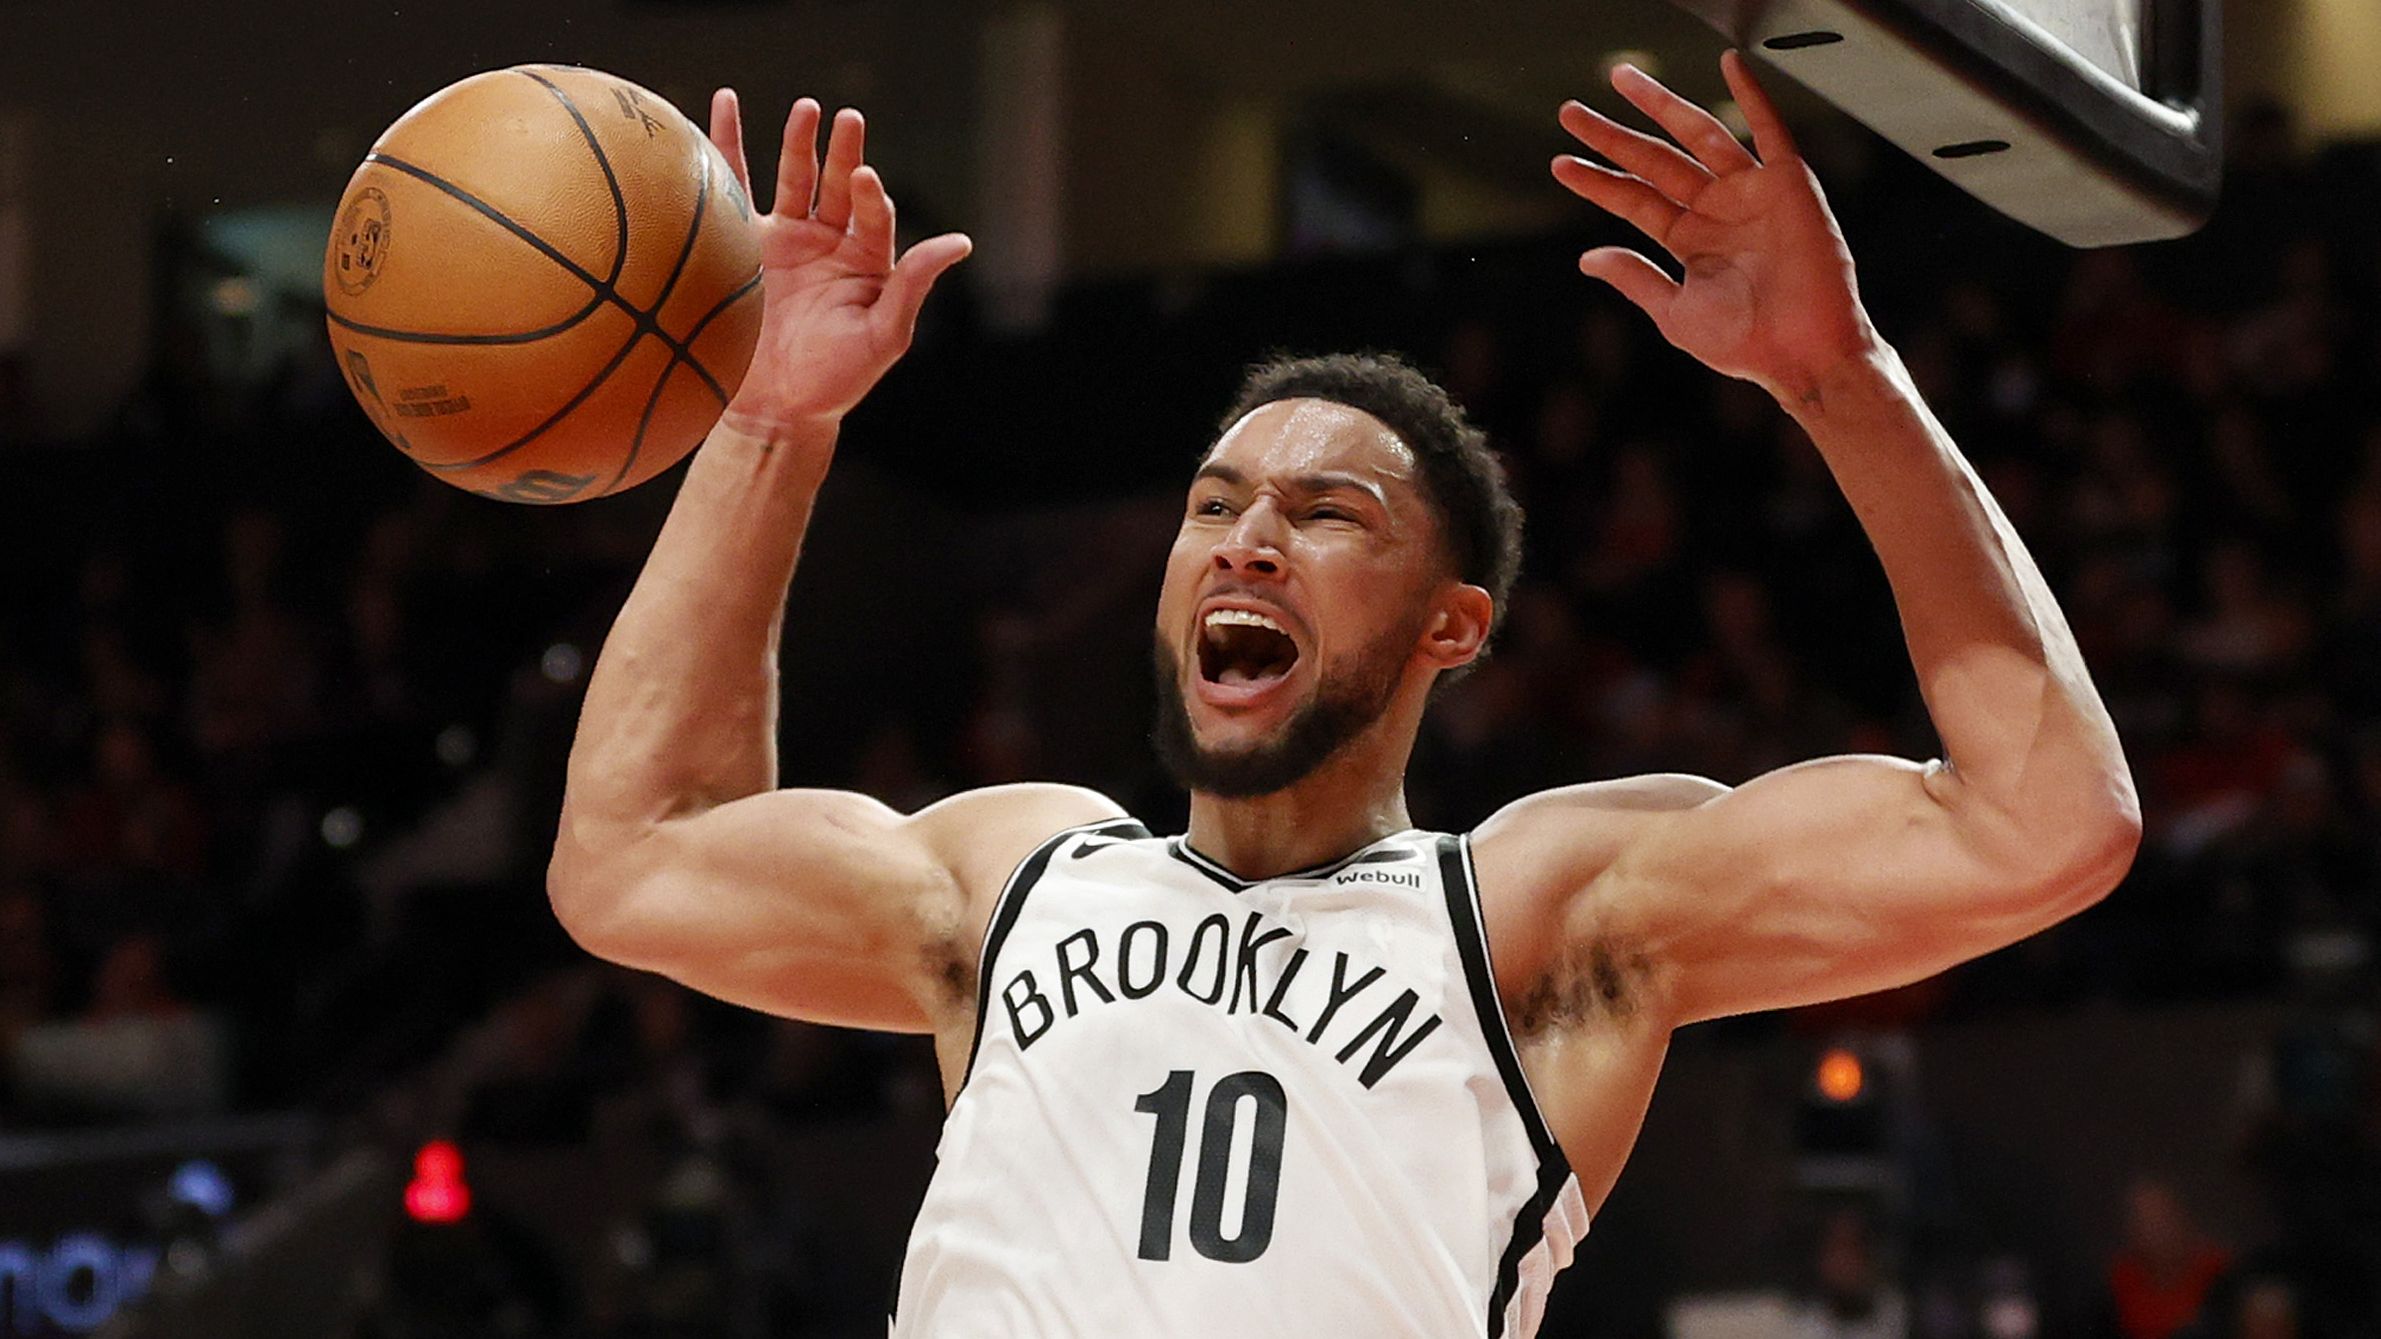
[{"x": 1768, "y": 292}]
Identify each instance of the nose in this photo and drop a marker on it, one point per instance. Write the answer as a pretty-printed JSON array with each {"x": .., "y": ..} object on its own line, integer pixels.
[{"x": 1251, "y": 547}]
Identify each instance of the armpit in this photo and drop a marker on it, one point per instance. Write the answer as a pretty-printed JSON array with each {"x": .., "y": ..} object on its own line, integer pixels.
[
  {"x": 1599, "y": 981},
  {"x": 953, "y": 971}
]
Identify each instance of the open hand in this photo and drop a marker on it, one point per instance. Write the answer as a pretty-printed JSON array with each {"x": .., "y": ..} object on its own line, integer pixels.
[
  {"x": 837, "y": 307},
  {"x": 1768, "y": 293}
]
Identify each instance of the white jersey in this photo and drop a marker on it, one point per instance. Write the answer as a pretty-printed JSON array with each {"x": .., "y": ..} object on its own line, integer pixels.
[{"x": 1199, "y": 1106}]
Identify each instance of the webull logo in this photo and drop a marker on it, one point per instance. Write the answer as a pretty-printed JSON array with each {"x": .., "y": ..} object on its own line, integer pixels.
[{"x": 1399, "y": 878}]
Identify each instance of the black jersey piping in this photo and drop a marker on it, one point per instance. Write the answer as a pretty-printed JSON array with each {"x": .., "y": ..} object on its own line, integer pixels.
[
  {"x": 1012, "y": 900},
  {"x": 1004, "y": 915},
  {"x": 1462, "y": 887},
  {"x": 1181, "y": 849}
]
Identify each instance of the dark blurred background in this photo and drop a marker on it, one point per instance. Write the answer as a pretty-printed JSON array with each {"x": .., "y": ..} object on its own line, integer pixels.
[{"x": 290, "y": 1043}]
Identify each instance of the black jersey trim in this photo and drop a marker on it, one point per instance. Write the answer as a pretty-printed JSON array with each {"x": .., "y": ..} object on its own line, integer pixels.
[
  {"x": 1012, "y": 900},
  {"x": 1462, "y": 887},
  {"x": 1181, "y": 849},
  {"x": 1004, "y": 916}
]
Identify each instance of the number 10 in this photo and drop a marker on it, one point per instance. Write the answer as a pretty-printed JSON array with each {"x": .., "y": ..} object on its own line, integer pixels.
[{"x": 1170, "y": 1103}]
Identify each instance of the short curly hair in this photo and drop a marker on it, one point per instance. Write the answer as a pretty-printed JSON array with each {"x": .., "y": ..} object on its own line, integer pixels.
[{"x": 1461, "y": 475}]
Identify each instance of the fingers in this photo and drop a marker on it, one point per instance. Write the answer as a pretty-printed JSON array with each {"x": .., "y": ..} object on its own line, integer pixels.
[
  {"x": 1658, "y": 162},
  {"x": 1770, "y": 136},
  {"x": 1638, "y": 279},
  {"x": 1697, "y": 130},
  {"x": 906, "y": 288},
  {"x": 1653, "y": 213},
  {"x": 844, "y": 145},
  {"x": 797, "y": 160},
  {"x": 872, "y": 217},
  {"x": 727, "y": 132}
]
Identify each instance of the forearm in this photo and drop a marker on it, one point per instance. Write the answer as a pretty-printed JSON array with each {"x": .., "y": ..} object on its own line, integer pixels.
[
  {"x": 2010, "y": 696},
  {"x": 681, "y": 713}
]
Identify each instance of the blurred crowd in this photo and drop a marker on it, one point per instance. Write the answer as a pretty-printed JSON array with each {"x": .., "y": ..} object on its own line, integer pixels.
[{"x": 282, "y": 723}]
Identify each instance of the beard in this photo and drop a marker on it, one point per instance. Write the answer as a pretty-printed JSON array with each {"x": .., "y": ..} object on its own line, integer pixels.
[{"x": 1348, "y": 698}]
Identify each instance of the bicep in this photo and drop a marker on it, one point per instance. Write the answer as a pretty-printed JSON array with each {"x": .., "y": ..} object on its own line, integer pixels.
[
  {"x": 1830, "y": 878},
  {"x": 816, "y": 904}
]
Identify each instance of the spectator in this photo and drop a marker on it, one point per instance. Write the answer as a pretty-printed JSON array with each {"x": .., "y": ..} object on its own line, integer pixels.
[
  {"x": 1852, "y": 1299},
  {"x": 2159, "y": 1282},
  {"x": 130, "y": 820},
  {"x": 28, "y": 963},
  {"x": 2268, "y": 1309}
]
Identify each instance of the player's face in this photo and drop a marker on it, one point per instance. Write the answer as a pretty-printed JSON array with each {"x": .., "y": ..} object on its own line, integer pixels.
[{"x": 1295, "y": 596}]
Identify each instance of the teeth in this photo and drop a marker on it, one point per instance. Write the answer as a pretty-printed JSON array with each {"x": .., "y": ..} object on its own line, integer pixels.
[{"x": 1244, "y": 618}]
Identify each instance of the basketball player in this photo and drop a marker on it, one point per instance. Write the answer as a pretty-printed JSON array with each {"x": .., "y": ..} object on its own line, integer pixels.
[{"x": 1305, "y": 1069}]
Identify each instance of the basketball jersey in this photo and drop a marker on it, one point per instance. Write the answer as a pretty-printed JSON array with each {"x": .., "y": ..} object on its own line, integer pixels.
[{"x": 1201, "y": 1106}]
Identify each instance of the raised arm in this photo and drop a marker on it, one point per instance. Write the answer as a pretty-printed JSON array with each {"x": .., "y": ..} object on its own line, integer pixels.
[
  {"x": 676, "y": 852},
  {"x": 1841, "y": 875}
]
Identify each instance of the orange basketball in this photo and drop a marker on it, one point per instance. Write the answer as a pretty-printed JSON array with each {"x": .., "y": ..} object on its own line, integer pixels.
[{"x": 543, "y": 284}]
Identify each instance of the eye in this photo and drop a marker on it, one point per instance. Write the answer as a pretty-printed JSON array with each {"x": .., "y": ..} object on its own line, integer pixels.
[
  {"x": 1328, "y": 512},
  {"x": 1213, "y": 506}
]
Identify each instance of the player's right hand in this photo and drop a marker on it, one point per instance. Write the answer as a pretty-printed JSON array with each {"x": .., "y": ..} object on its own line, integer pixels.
[{"x": 838, "y": 308}]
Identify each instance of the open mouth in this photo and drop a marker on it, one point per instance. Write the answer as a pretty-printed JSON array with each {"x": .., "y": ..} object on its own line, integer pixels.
[{"x": 1241, "y": 648}]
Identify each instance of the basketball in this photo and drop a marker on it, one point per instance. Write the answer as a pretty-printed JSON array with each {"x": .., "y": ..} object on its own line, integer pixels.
[{"x": 543, "y": 284}]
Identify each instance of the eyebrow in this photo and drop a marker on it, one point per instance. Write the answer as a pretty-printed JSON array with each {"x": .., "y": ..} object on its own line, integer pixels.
[{"x": 1321, "y": 482}]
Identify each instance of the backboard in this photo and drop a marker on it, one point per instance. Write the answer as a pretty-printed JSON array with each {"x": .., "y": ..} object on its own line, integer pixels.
[{"x": 2095, "y": 121}]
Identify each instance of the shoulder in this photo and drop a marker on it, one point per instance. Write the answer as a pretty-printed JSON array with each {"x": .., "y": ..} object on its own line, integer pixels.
[
  {"x": 982, "y": 835},
  {"x": 1652, "y": 792},
  {"x": 1542, "y": 861},
  {"x": 1543, "y": 850},
  {"x": 1022, "y": 801},
  {"x": 1573, "y": 823}
]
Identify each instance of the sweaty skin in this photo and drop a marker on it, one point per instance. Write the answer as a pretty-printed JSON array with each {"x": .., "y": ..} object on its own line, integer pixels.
[{"x": 1617, "y": 911}]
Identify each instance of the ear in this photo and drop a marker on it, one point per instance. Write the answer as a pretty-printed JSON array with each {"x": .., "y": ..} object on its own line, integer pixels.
[{"x": 1459, "y": 627}]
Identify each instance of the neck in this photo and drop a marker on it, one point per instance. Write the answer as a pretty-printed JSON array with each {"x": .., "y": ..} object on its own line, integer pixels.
[{"x": 1354, "y": 799}]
